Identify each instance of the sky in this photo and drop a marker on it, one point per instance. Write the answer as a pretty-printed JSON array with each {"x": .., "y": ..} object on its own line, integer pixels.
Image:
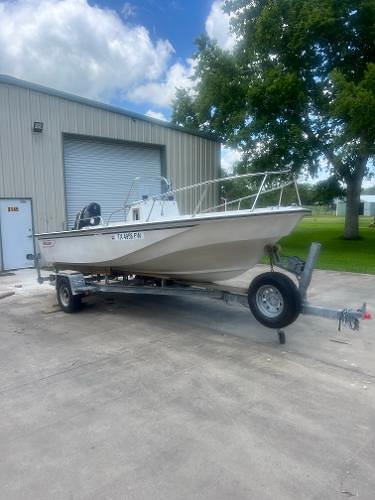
[{"x": 132, "y": 54}]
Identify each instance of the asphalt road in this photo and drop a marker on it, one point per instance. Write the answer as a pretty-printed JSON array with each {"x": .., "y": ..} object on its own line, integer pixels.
[{"x": 183, "y": 398}]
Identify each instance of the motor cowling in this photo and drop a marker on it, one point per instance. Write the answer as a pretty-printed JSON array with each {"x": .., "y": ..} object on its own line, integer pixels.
[{"x": 88, "y": 216}]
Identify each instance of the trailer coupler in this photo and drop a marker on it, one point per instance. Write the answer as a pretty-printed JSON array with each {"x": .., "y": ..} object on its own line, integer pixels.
[{"x": 349, "y": 318}]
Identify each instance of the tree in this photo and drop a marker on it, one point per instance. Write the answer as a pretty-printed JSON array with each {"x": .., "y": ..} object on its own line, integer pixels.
[
  {"x": 325, "y": 192},
  {"x": 297, "y": 91}
]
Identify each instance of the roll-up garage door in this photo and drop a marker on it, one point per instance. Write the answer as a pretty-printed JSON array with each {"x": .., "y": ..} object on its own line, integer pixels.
[{"x": 104, "y": 171}]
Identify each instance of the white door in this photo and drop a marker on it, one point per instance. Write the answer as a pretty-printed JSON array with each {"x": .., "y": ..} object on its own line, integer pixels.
[{"x": 16, "y": 233}]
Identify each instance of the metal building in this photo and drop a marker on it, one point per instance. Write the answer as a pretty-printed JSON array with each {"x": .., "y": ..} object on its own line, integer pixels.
[
  {"x": 366, "y": 208},
  {"x": 59, "y": 152}
]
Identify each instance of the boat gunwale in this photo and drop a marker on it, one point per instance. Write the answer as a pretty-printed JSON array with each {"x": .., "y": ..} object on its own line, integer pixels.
[{"x": 170, "y": 223}]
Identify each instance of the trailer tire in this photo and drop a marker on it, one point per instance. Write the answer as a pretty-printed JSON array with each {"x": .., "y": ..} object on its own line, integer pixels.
[
  {"x": 274, "y": 300},
  {"x": 68, "y": 302}
]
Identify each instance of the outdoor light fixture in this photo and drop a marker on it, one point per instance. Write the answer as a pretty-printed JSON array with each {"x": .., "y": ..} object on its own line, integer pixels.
[{"x": 38, "y": 127}]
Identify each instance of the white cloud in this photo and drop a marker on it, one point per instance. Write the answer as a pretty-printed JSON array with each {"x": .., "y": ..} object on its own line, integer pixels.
[
  {"x": 77, "y": 47},
  {"x": 128, "y": 10},
  {"x": 94, "y": 52},
  {"x": 228, "y": 158},
  {"x": 218, "y": 27},
  {"x": 162, "y": 93},
  {"x": 156, "y": 114}
]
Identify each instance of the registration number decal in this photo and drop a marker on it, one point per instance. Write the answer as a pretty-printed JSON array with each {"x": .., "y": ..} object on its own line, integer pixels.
[{"x": 133, "y": 235}]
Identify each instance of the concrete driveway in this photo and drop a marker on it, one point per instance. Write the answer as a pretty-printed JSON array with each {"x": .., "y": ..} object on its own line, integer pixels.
[{"x": 183, "y": 398}]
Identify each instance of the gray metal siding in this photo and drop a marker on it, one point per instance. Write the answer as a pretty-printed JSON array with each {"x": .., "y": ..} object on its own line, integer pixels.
[
  {"x": 9, "y": 80},
  {"x": 104, "y": 171},
  {"x": 31, "y": 164}
]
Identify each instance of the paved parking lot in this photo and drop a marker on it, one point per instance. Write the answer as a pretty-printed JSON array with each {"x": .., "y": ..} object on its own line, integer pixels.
[{"x": 183, "y": 398}]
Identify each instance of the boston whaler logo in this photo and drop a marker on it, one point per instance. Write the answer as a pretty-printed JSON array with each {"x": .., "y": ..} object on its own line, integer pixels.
[
  {"x": 134, "y": 235},
  {"x": 48, "y": 243}
]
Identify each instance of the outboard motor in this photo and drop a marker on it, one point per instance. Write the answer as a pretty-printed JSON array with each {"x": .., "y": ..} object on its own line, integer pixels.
[{"x": 88, "y": 216}]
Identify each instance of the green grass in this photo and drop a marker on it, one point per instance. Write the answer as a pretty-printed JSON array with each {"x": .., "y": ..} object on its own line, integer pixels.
[{"x": 336, "y": 254}]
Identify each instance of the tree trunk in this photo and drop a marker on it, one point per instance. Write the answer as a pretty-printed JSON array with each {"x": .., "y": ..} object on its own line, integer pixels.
[
  {"x": 353, "y": 201},
  {"x": 353, "y": 198}
]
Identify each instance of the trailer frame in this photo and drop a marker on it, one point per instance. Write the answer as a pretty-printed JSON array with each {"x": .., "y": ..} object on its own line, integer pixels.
[{"x": 79, "y": 285}]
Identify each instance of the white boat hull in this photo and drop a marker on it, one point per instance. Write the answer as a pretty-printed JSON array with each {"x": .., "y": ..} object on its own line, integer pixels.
[{"x": 208, "y": 248}]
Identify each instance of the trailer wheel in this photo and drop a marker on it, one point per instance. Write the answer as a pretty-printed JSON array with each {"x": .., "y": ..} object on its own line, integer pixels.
[
  {"x": 274, "y": 300},
  {"x": 68, "y": 302}
]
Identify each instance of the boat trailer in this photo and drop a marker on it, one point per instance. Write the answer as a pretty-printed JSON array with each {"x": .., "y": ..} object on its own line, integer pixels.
[{"x": 273, "y": 297}]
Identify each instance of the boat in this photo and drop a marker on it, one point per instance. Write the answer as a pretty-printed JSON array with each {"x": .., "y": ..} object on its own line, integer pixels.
[{"x": 156, "y": 240}]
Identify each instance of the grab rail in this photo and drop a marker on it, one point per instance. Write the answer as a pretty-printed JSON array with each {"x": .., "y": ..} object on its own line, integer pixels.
[
  {"x": 260, "y": 191},
  {"x": 249, "y": 197},
  {"x": 225, "y": 179}
]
